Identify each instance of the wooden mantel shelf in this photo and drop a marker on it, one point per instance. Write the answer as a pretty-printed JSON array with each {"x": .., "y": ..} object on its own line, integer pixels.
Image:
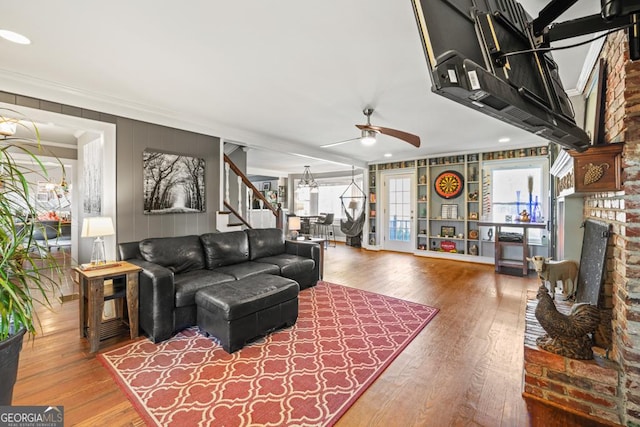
[{"x": 597, "y": 169}]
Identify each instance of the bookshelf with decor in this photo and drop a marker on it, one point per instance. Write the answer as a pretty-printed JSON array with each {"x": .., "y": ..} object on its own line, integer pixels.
[
  {"x": 422, "y": 194},
  {"x": 451, "y": 196},
  {"x": 473, "y": 201},
  {"x": 373, "y": 197},
  {"x": 447, "y": 210}
]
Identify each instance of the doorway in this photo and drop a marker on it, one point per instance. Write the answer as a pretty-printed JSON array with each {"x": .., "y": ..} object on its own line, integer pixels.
[{"x": 398, "y": 198}]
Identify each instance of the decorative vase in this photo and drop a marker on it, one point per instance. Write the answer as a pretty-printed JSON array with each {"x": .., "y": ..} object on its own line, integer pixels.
[{"x": 537, "y": 213}]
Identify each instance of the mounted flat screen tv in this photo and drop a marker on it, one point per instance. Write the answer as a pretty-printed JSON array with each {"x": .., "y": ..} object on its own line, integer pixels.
[{"x": 465, "y": 42}]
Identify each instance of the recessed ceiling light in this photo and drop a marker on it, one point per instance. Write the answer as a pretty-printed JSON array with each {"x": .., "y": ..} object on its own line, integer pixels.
[
  {"x": 503, "y": 140},
  {"x": 388, "y": 154},
  {"x": 14, "y": 37}
]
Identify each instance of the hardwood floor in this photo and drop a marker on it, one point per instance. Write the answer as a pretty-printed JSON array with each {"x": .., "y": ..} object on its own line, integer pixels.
[{"x": 464, "y": 368}]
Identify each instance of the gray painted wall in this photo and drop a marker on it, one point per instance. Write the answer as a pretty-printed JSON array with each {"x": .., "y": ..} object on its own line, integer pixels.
[{"x": 132, "y": 138}]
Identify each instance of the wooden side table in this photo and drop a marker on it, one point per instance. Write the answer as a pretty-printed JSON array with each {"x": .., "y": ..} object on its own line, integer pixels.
[
  {"x": 92, "y": 299},
  {"x": 521, "y": 262}
]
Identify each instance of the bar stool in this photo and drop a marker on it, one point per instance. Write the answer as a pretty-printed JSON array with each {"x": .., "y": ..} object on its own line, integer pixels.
[
  {"x": 326, "y": 229},
  {"x": 315, "y": 225}
]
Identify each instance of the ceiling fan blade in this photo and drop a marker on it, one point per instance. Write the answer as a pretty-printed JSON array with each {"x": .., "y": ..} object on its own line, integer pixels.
[
  {"x": 405, "y": 136},
  {"x": 339, "y": 142}
]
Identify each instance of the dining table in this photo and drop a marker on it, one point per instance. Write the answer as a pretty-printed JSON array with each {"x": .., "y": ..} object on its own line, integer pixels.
[{"x": 305, "y": 223}]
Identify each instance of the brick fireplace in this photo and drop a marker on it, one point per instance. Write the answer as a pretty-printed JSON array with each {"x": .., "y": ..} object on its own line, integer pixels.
[
  {"x": 606, "y": 389},
  {"x": 590, "y": 387}
]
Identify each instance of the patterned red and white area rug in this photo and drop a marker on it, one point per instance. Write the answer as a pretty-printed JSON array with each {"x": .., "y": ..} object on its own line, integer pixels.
[{"x": 308, "y": 374}]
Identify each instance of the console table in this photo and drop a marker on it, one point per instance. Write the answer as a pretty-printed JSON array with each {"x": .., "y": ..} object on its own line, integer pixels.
[
  {"x": 500, "y": 261},
  {"x": 91, "y": 282}
]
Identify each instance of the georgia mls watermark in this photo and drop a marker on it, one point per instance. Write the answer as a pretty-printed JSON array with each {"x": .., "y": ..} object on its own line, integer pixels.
[{"x": 31, "y": 416}]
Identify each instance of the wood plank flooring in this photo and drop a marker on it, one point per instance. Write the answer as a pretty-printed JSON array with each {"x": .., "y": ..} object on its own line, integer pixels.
[{"x": 463, "y": 369}]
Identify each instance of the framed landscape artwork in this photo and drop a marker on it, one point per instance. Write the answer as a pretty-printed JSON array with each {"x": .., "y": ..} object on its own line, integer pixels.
[
  {"x": 173, "y": 183},
  {"x": 92, "y": 176}
]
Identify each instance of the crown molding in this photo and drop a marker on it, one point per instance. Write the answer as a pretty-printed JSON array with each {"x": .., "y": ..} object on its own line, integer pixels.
[
  {"x": 589, "y": 62},
  {"x": 55, "y": 92}
]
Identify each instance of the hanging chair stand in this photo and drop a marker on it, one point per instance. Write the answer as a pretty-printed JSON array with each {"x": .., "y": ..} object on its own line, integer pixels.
[{"x": 353, "y": 199}]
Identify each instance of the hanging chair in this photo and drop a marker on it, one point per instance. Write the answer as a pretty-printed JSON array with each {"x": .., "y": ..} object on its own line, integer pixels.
[{"x": 353, "y": 201}]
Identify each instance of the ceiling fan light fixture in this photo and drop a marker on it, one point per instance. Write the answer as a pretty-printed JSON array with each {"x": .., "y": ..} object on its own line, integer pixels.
[{"x": 368, "y": 137}]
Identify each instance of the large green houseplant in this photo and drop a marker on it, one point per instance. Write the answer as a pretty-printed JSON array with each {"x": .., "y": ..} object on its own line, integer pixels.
[{"x": 29, "y": 273}]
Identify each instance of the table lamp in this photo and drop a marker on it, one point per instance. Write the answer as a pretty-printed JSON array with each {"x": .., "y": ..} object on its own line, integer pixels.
[
  {"x": 353, "y": 205},
  {"x": 294, "y": 226},
  {"x": 98, "y": 227}
]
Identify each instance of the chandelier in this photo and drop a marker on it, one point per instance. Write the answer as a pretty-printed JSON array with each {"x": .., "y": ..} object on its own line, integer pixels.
[{"x": 307, "y": 181}]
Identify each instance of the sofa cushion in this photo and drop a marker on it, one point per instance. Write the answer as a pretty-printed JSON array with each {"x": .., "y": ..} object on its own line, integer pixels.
[
  {"x": 290, "y": 265},
  {"x": 222, "y": 249},
  {"x": 178, "y": 254},
  {"x": 243, "y": 297},
  {"x": 249, "y": 268},
  {"x": 264, "y": 242},
  {"x": 187, "y": 284}
]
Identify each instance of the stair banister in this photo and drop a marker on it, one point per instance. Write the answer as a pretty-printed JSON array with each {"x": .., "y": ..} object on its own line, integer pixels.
[{"x": 242, "y": 179}]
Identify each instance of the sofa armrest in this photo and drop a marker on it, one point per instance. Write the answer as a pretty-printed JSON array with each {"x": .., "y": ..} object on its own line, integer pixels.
[
  {"x": 157, "y": 300},
  {"x": 308, "y": 250},
  {"x": 303, "y": 248}
]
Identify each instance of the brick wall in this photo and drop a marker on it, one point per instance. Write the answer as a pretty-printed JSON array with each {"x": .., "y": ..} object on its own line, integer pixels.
[
  {"x": 587, "y": 386},
  {"x": 622, "y": 211},
  {"x": 597, "y": 387}
]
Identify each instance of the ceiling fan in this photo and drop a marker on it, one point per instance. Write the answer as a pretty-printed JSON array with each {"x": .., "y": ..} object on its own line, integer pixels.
[{"x": 369, "y": 132}]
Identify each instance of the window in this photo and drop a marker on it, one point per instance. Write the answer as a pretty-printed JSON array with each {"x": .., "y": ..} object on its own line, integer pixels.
[
  {"x": 327, "y": 199},
  {"x": 515, "y": 190},
  {"x": 302, "y": 201},
  {"x": 509, "y": 186}
]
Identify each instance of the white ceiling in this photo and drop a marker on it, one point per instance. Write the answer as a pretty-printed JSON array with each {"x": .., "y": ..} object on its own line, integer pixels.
[{"x": 285, "y": 76}]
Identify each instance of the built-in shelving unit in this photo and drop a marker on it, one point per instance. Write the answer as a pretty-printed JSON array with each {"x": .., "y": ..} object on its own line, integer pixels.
[
  {"x": 373, "y": 197},
  {"x": 446, "y": 224}
]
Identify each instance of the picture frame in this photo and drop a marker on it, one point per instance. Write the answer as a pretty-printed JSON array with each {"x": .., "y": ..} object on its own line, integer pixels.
[
  {"x": 266, "y": 186},
  {"x": 447, "y": 231},
  {"x": 473, "y": 215},
  {"x": 162, "y": 194},
  {"x": 449, "y": 211}
]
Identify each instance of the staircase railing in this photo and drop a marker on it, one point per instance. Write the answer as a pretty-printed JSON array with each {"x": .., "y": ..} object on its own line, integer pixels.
[{"x": 242, "y": 207}]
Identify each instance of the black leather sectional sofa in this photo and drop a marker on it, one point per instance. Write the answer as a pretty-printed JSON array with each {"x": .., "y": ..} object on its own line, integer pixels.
[{"x": 174, "y": 269}]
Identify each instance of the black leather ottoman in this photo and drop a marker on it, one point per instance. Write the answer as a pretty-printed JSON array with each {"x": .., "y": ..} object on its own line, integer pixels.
[{"x": 239, "y": 311}]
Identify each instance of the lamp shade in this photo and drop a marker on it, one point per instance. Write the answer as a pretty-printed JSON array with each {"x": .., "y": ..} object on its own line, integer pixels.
[
  {"x": 353, "y": 204},
  {"x": 8, "y": 127},
  {"x": 294, "y": 223},
  {"x": 97, "y": 226}
]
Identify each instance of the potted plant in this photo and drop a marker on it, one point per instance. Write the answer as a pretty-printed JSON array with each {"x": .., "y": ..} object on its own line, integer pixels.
[{"x": 29, "y": 273}]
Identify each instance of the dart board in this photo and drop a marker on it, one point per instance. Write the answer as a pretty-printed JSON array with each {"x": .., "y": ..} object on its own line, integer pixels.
[{"x": 449, "y": 184}]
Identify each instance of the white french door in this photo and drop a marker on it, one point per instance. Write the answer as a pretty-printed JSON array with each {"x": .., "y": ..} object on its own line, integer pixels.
[{"x": 397, "y": 216}]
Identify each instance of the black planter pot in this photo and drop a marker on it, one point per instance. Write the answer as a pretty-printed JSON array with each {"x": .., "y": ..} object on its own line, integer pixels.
[{"x": 9, "y": 355}]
